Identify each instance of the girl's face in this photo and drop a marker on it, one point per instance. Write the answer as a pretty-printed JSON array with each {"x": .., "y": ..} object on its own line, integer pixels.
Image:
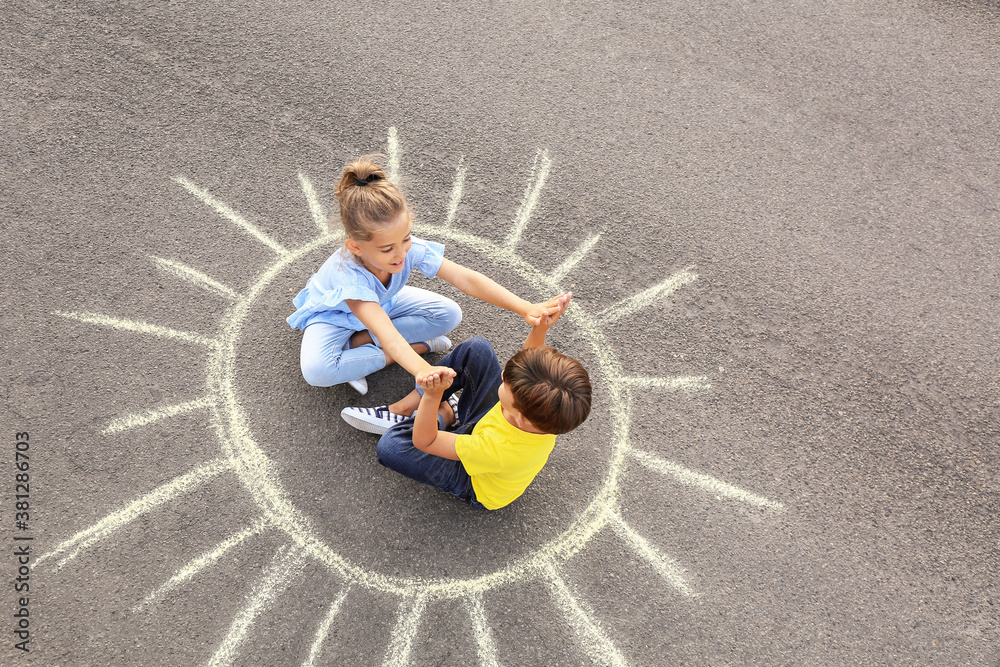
[{"x": 383, "y": 254}]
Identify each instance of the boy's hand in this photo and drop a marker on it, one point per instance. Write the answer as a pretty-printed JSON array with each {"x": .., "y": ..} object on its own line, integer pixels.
[
  {"x": 436, "y": 379},
  {"x": 556, "y": 306},
  {"x": 555, "y": 312},
  {"x": 539, "y": 312}
]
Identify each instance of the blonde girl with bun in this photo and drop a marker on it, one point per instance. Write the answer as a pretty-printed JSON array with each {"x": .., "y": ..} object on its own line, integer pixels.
[{"x": 357, "y": 313}]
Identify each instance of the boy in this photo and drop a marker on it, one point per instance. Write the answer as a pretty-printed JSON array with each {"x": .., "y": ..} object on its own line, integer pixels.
[{"x": 479, "y": 449}]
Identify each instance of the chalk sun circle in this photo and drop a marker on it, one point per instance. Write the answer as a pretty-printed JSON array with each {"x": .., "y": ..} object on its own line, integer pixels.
[{"x": 257, "y": 472}]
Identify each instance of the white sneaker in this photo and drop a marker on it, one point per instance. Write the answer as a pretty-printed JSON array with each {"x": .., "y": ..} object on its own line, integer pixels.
[
  {"x": 361, "y": 384},
  {"x": 453, "y": 403},
  {"x": 372, "y": 420},
  {"x": 437, "y": 344}
]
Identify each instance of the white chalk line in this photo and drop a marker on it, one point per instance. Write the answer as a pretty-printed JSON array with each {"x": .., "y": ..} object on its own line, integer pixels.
[
  {"x": 410, "y": 610},
  {"x": 158, "y": 496},
  {"x": 274, "y": 581},
  {"x": 485, "y": 646},
  {"x": 667, "y": 568},
  {"x": 683, "y": 383},
  {"x": 201, "y": 562},
  {"x": 324, "y": 628},
  {"x": 195, "y": 277},
  {"x": 392, "y": 146},
  {"x": 456, "y": 192},
  {"x": 595, "y": 642},
  {"x": 539, "y": 173},
  {"x": 231, "y": 215},
  {"x": 318, "y": 214},
  {"x": 137, "y": 420},
  {"x": 578, "y": 255},
  {"x": 645, "y": 298},
  {"x": 704, "y": 482},
  {"x": 138, "y": 327}
]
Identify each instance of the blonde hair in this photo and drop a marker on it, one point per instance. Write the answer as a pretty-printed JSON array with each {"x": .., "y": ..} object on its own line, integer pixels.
[{"x": 368, "y": 200}]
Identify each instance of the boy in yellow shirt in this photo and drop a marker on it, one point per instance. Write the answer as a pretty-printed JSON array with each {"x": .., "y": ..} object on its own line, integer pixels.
[{"x": 477, "y": 448}]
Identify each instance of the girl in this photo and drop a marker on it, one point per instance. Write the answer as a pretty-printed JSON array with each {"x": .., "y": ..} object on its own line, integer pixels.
[{"x": 357, "y": 313}]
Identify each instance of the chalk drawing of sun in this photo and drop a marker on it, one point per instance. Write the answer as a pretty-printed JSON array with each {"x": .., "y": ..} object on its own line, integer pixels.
[{"x": 241, "y": 456}]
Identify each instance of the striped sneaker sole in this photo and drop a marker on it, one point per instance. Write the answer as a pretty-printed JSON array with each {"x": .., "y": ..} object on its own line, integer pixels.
[{"x": 366, "y": 420}]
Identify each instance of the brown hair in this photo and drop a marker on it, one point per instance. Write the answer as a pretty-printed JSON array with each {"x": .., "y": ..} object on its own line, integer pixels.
[
  {"x": 368, "y": 199},
  {"x": 550, "y": 389}
]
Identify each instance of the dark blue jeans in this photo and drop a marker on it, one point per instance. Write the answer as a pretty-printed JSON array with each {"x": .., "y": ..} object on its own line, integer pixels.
[{"x": 478, "y": 375}]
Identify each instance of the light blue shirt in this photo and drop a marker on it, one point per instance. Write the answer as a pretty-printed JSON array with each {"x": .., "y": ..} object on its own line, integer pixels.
[{"x": 343, "y": 277}]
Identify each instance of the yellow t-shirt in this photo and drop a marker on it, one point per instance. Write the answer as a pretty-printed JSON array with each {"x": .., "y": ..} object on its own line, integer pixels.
[{"x": 501, "y": 459}]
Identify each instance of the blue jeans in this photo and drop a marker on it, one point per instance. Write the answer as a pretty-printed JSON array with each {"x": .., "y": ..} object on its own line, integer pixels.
[
  {"x": 417, "y": 314},
  {"x": 478, "y": 376}
]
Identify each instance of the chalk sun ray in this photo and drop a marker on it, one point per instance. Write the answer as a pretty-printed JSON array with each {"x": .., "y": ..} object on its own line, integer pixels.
[
  {"x": 456, "y": 192},
  {"x": 142, "y": 419},
  {"x": 539, "y": 174},
  {"x": 226, "y": 212},
  {"x": 411, "y": 608},
  {"x": 324, "y": 629},
  {"x": 273, "y": 582},
  {"x": 195, "y": 277},
  {"x": 575, "y": 258},
  {"x": 392, "y": 146},
  {"x": 704, "y": 482},
  {"x": 485, "y": 646},
  {"x": 147, "y": 503},
  {"x": 204, "y": 560},
  {"x": 315, "y": 207},
  {"x": 666, "y": 567},
  {"x": 594, "y": 640},
  {"x": 682, "y": 382},
  {"x": 637, "y": 302},
  {"x": 138, "y": 327}
]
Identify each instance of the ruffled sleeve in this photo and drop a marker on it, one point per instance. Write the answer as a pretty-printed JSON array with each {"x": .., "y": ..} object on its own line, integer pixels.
[
  {"x": 433, "y": 256},
  {"x": 326, "y": 292}
]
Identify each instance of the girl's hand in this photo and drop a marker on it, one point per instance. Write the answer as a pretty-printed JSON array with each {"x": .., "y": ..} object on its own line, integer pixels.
[
  {"x": 546, "y": 313},
  {"x": 436, "y": 379},
  {"x": 562, "y": 304}
]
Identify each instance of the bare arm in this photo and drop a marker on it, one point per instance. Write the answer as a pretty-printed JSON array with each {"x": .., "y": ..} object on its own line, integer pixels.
[
  {"x": 377, "y": 321},
  {"x": 426, "y": 436},
  {"x": 486, "y": 289}
]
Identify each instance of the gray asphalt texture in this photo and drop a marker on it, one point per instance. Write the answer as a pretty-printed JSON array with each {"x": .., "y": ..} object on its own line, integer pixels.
[{"x": 829, "y": 171}]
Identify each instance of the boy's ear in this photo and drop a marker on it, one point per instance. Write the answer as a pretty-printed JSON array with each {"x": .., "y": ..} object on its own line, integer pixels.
[{"x": 525, "y": 424}]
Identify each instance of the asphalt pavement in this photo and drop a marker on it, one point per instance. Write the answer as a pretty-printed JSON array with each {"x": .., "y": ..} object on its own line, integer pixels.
[{"x": 779, "y": 222}]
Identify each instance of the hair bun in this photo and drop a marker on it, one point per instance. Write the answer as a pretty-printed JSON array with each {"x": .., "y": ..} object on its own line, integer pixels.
[{"x": 361, "y": 182}]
